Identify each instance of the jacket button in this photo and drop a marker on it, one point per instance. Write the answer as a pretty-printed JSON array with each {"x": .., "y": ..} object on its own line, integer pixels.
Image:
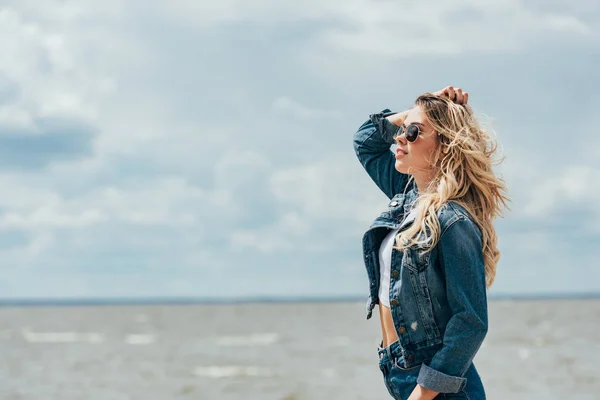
[
  {"x": 411, "y": 357},
  {"x": 402, "y": 330},
  {"x": 394, "y": 302},
  {"x": 394, "y": 203},
  {"x": 395, "y": 274}
]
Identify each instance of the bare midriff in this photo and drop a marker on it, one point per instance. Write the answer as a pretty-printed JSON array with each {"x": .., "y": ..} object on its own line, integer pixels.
[{"x": 388, "y": 330}]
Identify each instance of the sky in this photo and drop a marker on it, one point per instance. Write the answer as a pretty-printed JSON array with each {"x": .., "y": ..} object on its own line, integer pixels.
[{"x": 204, "y": 149}]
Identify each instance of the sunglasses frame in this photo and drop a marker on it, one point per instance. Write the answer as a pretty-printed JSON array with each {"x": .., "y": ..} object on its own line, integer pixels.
[{"x": 411, "y": 132}]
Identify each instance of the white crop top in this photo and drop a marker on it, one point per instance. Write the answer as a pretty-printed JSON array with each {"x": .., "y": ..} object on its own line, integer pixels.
[
  {"x": 385, "y": 262},
  {"x": 385, "y": 259}
]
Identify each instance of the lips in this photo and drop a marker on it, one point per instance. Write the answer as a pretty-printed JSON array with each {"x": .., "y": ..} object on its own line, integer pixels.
[{"x": 399, "y": 151}]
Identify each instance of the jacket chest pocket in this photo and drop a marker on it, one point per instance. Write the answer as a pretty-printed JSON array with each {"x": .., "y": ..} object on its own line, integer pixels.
[
  {"x": 395, "y": 208},
  {"x": 417, "y": 258}
]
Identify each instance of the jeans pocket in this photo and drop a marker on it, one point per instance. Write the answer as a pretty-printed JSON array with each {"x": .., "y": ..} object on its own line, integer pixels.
[
  {"x": 381, "y": 366},
  {"x": 401, "y": 368},
  {"x": 413, "y": 368}
]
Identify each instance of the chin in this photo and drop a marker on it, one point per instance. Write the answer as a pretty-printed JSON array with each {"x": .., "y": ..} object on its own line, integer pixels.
[{"x": 401, "y": 167}]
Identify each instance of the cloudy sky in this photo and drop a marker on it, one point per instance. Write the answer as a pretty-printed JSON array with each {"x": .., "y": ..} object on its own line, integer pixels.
[{"x": 194, "y": 148}]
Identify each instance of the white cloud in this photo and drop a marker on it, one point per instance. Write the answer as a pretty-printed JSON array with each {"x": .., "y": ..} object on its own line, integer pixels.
[
  {"x": 166, "y": 201},
  {"x": 328, "y": 189},
  {"x": 422, "y": 28},
  {"x": 311, "y": 197},
  {"x": 568, "y": 24},
  {"x": 239, "y": 166},
  {"x": 301, "y": 111},
  {"x": 49, "y": 217},
  {"x": 287, "y": 233},
  {"x": 576, "y": 187},
  {"x": 52, "y": 78},
  {"x": 393, "y": 28}
]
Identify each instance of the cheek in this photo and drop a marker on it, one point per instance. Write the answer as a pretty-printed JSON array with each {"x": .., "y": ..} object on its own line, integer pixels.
[
  {"x": 418, "y": 154},
  {"x": 423, "y": 155}
]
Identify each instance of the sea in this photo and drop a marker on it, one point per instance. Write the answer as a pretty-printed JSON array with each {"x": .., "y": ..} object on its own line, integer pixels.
[{"x": 289, "y": 350}]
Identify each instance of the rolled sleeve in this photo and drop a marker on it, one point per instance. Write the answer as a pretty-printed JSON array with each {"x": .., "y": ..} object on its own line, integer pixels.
[
  {"x": 460, "y": 252},
  {"x": 440, "y": 382}
]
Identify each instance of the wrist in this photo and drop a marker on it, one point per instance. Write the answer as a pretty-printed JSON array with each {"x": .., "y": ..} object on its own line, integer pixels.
[
  {"x": 422, "y": 393},
  {"x": 398, "y": 118}
]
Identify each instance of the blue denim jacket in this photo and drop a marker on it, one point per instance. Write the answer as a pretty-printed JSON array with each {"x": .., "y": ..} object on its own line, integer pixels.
[{"x": 438, "y": 298}]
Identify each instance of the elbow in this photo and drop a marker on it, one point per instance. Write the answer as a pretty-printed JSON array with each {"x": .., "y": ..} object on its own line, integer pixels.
[
  {"x": 475, "y": 327},
  {"x": 480, "y": 324},
  {"x": 356, "y": 142},
  {"x": 484, "y": 332},
  {"x": 357, "y": 148},
  {"x": 479, "y": 332},
  {"x": 362, "y": 134},
  {"x": 484, "y": 320},
  {"x": 359, "y": 140}
]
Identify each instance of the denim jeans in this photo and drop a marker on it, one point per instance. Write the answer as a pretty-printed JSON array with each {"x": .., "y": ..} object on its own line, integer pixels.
[{"x": 400, "y": 382}]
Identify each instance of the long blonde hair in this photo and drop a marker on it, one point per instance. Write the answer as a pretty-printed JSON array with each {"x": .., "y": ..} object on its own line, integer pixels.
[{"x": 463, "y": 174}]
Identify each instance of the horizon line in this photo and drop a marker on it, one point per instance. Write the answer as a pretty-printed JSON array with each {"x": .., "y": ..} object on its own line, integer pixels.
[{"x": 183, "y": 300}]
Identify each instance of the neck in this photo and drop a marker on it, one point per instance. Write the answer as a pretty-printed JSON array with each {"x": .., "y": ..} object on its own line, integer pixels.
[{"x": 422, "y": 180}]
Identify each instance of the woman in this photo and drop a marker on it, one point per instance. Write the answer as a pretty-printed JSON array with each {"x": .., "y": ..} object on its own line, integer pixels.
[{"x": 431, "y": 255}]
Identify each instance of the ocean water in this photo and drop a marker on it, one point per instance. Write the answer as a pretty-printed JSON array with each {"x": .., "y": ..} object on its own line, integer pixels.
[{"x": 535, "y": 349}]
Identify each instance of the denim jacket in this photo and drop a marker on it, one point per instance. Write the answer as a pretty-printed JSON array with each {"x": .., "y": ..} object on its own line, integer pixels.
[{"x": 438, "y": 298}]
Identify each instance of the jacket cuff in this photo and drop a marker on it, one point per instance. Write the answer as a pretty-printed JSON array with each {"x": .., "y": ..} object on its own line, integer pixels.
[
  {"x": 386, "y": 128},
  {"x": 440, "y": 382}
]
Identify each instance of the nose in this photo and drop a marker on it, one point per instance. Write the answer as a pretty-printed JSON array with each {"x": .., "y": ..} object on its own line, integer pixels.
[{"x": 400, "y": 138}]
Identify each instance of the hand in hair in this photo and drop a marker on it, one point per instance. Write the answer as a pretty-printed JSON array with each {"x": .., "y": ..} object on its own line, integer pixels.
[{"x": 454, "y": 94}]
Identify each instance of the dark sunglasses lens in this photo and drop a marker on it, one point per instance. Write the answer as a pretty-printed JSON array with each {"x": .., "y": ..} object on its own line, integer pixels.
[{"x": 412, "y": 132}]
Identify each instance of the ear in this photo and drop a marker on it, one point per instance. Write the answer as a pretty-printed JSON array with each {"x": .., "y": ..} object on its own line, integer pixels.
[{"x": 442, "y": 143}]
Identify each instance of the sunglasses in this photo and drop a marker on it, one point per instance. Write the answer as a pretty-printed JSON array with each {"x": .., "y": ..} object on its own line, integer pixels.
[{"x": 411, "y": 132}]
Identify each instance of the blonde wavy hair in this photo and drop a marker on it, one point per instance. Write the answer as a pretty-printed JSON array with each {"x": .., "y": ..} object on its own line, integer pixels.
[{"x": 462, "y": 166}]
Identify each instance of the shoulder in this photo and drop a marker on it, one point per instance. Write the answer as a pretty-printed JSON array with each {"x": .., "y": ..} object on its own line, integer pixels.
[{"x": 452, "y": 213}]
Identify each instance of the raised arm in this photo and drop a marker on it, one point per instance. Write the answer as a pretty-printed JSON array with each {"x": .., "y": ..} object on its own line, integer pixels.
[{"x": 372, "y": 144}]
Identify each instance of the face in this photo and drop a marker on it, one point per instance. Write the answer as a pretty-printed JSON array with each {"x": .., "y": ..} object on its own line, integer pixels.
[{"x": 415, "y": 157}]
